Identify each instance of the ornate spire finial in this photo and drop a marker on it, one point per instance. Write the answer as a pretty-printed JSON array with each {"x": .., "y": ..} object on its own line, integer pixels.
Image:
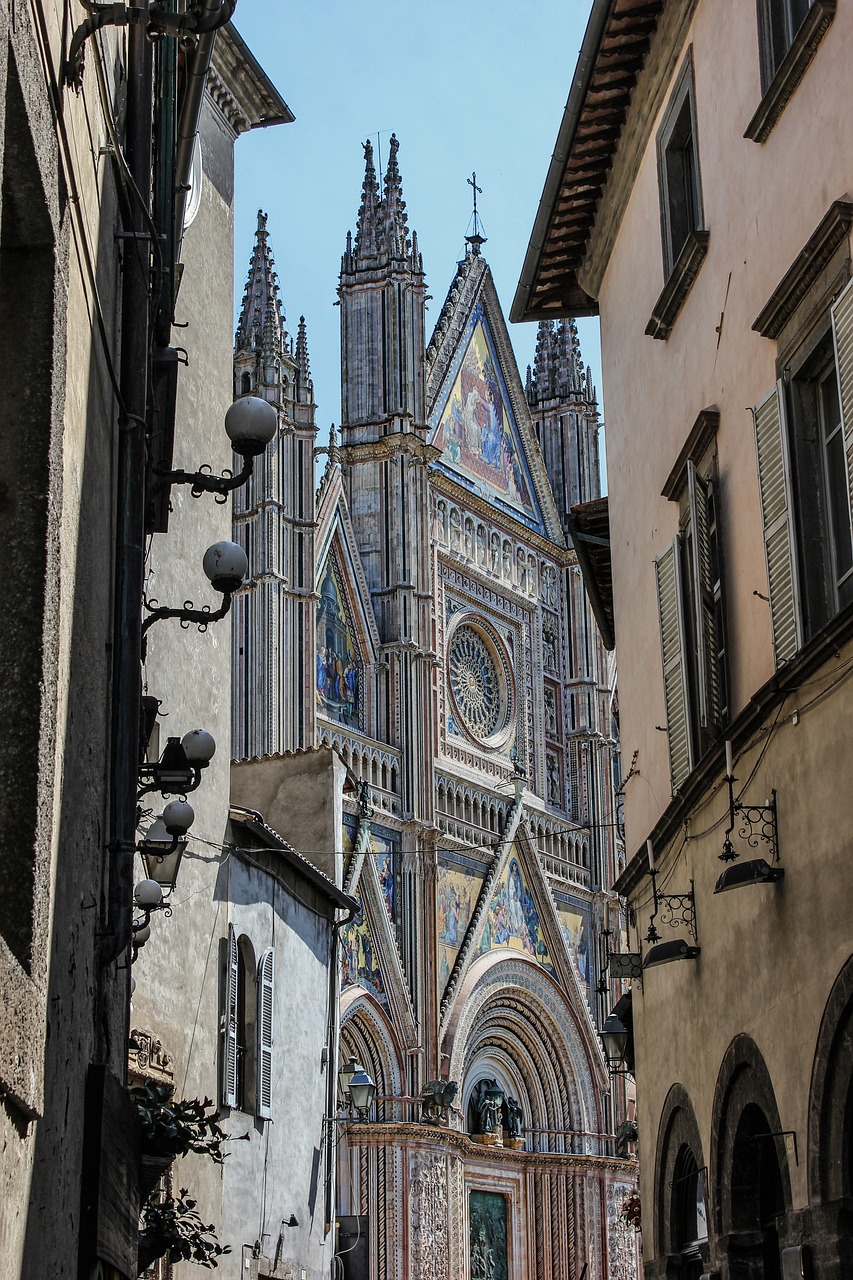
[
  {"x": 304, "y": 385},
  {"x": 396, "y": 229},
  {"x": 366, "y": 238},
  {"x": 542, "y": 383},
  {"x": 261, "y": 312},
  {"x": 476, "y": 239}
]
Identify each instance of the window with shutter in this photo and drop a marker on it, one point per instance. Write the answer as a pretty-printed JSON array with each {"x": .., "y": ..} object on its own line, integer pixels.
[
  {"x": 229, "y": 1038},
  {"x": 706, "y": 591},
  {"x": 670, "y": 606},
  {"x": 266, "y": 994},
  {"x": 774, "y": 480}
]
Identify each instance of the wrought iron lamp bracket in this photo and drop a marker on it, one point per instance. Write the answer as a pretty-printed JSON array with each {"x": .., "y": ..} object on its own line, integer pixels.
[
  {"x": 188, "y": 615},
  {"x": 204, "y": 481},
  {"x": 676, "y": 910},
  {"x": 754, "y": 823}
]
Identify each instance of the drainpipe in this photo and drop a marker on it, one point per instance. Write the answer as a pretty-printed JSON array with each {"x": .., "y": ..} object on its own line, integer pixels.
[
  {"x": 214, "y": 14},
  {"x": 130, "y": 507}
]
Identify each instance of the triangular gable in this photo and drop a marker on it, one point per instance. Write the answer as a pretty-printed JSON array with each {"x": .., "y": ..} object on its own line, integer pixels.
[
  {"x": 346, "y": 636},
  {"x": 477, "y": 412},
  {"x": 513, "y": 921},
  {"x": 476, "y": 429},
  {"x": 371, "y": 957}
]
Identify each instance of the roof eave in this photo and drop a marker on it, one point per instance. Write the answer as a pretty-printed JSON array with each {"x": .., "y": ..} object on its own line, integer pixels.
[{"x": 568, "y": 127}]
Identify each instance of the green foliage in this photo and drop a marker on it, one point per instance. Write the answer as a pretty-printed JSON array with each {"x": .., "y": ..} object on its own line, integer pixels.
[
  {"x": 173, "y": 1226},
  {"x": 171, "y": 1128}
]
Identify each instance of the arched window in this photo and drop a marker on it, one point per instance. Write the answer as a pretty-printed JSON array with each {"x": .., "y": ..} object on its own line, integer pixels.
[
  {"x": 246, "y": 384},
  {"x": 247, "y": 1008}
]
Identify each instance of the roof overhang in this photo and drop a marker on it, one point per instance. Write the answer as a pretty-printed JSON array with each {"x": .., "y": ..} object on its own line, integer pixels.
[
  {"x": 589, "y": 528},
  {"x": 253, "y": 102},
  {"x": 253, "y": 823},
  {"x": 614, "y": 49}
]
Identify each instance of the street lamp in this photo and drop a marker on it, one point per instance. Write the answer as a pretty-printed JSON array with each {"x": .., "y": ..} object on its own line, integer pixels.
[
  {"x": 614, "y": 1037},
  {"x": 362, "y": 1091}
]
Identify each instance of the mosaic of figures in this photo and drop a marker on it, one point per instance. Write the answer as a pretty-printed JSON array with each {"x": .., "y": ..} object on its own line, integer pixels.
[
  {"x": 384, "y": 845},
  {"x": 513, "y": 920},
  {"x": 574, "y": 920},
  {"x": 359, "y": 961},
  {"x": 477, "y": 431},
  {"x": 337, "y": 678},
  {"x": 457, "y": 888}
]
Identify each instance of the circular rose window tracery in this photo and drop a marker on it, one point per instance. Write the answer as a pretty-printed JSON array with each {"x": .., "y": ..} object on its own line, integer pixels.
[{"x": 481, "y": 688}]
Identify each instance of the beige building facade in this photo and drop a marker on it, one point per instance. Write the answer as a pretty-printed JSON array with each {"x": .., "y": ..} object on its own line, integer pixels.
[{"x": 700, "y": 202}]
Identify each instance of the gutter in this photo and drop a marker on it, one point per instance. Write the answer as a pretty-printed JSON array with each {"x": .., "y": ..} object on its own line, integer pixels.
[{"x": 587, "y": 58}]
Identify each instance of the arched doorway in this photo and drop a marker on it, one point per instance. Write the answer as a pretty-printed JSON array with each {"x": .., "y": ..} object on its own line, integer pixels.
[
  {"x": 831, "y": 1129},
  {"x": 681, "y": 1180},
  {"x": 753, "y": 1188}
]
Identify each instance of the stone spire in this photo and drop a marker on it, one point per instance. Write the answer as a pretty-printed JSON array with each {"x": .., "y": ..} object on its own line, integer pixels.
[
  {"x": 542, "y": 385},
  {"x": 367, "y": 231},
  {"x": 261, "y": 309},
  {"x": 395, "y": 229},
  {"x": 304, "y": 384}
]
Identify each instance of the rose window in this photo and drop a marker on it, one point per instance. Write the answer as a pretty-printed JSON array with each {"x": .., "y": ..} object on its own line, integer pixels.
[{"x": 479, "y": 681}]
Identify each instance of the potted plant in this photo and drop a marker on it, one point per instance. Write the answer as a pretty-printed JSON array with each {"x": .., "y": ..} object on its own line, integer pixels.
[
  {"x": 172, "y": 1225},
  {"x": 170, "y": 1128}
]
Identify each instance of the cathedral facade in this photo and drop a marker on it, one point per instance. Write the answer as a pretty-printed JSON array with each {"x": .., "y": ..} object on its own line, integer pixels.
[{"x": 419, "y": 620}]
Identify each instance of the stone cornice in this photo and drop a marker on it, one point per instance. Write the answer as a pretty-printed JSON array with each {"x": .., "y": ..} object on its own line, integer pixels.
[
  {"x": 389, "y": 446},
  {"x": 791, "y": 70},
  {"x": 402, "y": 1133},
  {"x": 680, "y": 282},
  {"x": 798, "y": 279}
]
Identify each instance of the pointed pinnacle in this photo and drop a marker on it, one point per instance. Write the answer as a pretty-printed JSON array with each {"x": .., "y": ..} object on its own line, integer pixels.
[
  {"x": 304, "y": 385},
  {"x": 366, "y": 233},
  {"x": 395, "y": 220}
]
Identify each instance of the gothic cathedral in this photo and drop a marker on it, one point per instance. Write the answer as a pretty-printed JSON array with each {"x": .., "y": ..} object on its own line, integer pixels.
[{"x": 419, "y": 617}]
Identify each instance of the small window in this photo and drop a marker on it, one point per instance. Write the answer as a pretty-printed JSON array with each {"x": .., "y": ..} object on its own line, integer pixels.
[
  {"x": 678, "y": 170},
  {"x": 692, "y": 620},
  {"x": 778, "y": 21},
  {"x": 246, "y": 384}
]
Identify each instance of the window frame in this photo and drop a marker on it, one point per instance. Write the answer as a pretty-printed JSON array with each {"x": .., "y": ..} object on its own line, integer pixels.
[
  {"x": 683, "y": 96},
  {"x": 780, "y": 78}
]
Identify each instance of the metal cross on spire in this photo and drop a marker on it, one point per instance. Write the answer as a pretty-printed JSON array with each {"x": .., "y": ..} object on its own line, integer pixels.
[{"x": 476, "y": 239}]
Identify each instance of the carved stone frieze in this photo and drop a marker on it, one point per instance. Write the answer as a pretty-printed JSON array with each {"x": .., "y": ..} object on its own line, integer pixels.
[
  {"x": 147, "y": 1057},
  {"x": 429, "y": 1223},
  {"x": 621, "y": 1237}
]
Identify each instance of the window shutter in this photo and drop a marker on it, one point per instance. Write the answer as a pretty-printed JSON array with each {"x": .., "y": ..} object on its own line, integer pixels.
[
  {"x": 674, "y": 671},
  {"x": 229, "y": 1065},
  {"x": 774, "y": 480},
  {"x": 266, "y": 992},
  {"x": 842, "y": 333},
  {"x": 699, "y": 492}
]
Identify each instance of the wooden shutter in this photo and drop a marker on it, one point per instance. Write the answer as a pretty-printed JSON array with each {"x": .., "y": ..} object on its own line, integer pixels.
[
  {"x": 774, "y": 480},
  {"x": 674, "y": 670},
  {"x": 699, "y": 495},
  {"x": 229, "y": 1036},
  {"x": 842, "y": 334},
  {"x": 266, "y": 993}
]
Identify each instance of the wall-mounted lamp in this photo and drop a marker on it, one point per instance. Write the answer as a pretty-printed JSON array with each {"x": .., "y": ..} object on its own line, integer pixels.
[
  {"x": 357, "y": 1086},
  {"x": 147, "y": 897},
  {"x": 665, "y": 952},
  {"x": 678, "y": 910},
  {"x": 179, "y": 769},
  {"x": 614, "y": 1037},
  {"x": 163, "y": 844},
  {"x": 757, "y": 826},
  {"x": 250, "y": 425},
  {"x": 225, "y": 565}
]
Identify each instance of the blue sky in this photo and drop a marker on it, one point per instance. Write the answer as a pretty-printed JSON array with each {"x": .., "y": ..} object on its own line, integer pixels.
[{"x": 475, "y": 86}]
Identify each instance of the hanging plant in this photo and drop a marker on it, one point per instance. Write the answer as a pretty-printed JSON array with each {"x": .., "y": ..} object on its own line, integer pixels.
[
  {"x": 630, "y": 1211},
  {"x": 173, "y": 1226},
  {"x": 172, "y": 1128}
]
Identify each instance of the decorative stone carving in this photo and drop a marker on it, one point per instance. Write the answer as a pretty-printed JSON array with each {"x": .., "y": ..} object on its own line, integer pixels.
[
  {"x": 549, "y": 650},
  {"x": 621, "y": 1238},
  {"x": 147, "y": 1057},
  {"x": 430, "y": 1258},
  {"x": 550, "y": 703},
  {"x": 552, "y": 771}
]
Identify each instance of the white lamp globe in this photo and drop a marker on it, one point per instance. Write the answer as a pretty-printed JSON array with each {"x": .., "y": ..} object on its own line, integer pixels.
[
  {"x": 199, "y": 746},
  {"x": 250, "y": 424},
  {"x": 178, "y": 817},
  {"x": 148, "y": 894},
  {"x": 226, "y": 565},
  {"x": 141, "y": 935}
]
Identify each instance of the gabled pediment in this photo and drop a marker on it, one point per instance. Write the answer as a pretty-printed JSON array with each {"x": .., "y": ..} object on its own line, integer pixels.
[
  {"x": 477, "y": 412},
  {"x": 347, "y": 640}
]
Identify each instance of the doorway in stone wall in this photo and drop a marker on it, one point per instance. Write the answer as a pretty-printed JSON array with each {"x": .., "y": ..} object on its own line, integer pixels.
[
  {"x": 757, "y": 1199},
  {"x": 487, "y": 1214}
]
